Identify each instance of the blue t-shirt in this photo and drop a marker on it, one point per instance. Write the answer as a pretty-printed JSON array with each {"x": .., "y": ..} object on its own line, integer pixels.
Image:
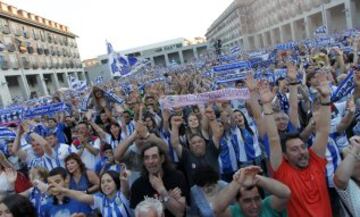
[{"x": 52, "y": 209}]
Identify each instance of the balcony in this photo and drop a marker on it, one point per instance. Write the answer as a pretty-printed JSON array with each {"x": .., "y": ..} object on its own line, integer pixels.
[
  {"x": 40, "y": 51},
  {"x": 36, "y": 36},
  {"x": 53, "y": 52},
  {"x": 18, "y": 32},
  {"x": 46, "y": 52},
  {"x": 15, "y": 65},
  {"x": 5, "y": 64},
  {"x": 58, "y": 52},
  {"x": 25, "y": 63},
  {"x": 6, "y": 29},
  {"x": 10, "y": 47},
  {"x": 35, "y": 65},
  {"x": 30, "y": 49},
  {"x": 43, "y": 65},
  {"x": 26, "y": 35},
  {"x": 2, "y": 47}
]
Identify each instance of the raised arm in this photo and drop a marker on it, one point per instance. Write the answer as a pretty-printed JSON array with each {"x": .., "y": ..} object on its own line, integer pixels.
[
  {"x": 16, "y": 146},
  {"x": 124, "y": 181},
  {"x": 225, "y": 197},
  {"x": 165, "y": 118},
  {"x": 344, "y": 172},
  {"x": 280, "y": 193},
  {"x": 77, "y": 195},
  {"x": 267, "y": 97},
  {"x": 102, "y": 134},
  {"x": 176, "y": 121},
  {"x": 124, "y": 145},
  {"x": 322, "y": 122},
  {"x": 348, "y": 118},
  {"x": 254, "y": 104},
  {"x": 293, "y": 98},
  {"x": 217, "y": 131}
]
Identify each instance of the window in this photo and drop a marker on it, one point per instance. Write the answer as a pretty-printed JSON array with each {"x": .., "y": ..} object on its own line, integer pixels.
[
  {"x": 12, "y": 81},
  {"x": 60, "y": 78},
  {"x": 104, "y": 61}
]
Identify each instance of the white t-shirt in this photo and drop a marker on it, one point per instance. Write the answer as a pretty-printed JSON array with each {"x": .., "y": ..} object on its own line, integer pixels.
[
  {"x": 61, "y": 151},
  {"x": 87, "y": 157}
]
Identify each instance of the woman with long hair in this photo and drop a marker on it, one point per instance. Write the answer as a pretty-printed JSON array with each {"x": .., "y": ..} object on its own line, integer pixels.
[{"x": 80, "y": 178}]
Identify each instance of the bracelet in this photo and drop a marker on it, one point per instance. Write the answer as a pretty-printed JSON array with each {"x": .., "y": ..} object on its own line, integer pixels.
[
  {"x": 271, "y": 113},
  {"x": 294, "y": 83}
]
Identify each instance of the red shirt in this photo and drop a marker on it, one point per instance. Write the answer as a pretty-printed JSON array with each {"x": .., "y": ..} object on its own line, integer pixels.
[{"x": 309, "y": 193}]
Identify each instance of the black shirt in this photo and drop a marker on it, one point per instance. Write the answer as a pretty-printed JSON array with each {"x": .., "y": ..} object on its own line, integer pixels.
[
  {"x": 189, "y": 162},
  {"x": 142, "y": 187}
]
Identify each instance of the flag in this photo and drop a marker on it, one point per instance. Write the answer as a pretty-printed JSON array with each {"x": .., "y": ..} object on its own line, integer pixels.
[
  {"x": 321, "y": 30},
  {"x": 76, "y": 84},
  {"x": 99, "y": 79},
  {"x": 114, "y": 63},
  {"x": 235, "y": 50},
  {"x": 120, "y": 65}
]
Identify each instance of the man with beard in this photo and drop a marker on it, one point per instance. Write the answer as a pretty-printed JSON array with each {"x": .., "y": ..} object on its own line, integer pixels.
[
  {"x": 300, "y": 168},
  {"x": 160, "y": 180}
]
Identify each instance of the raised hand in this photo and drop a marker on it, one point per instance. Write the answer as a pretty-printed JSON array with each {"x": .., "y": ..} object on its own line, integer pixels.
[
  {"x": 323, "y": 88},
  {"x": 266, "y": 95},
  {"x": 124, "y": 173},
  {"x": 176, "y": 121},
  {"x": 141, "y": 130},
  {"x": 11, "y": 175},
  {"x": 291, "y": 68},
  {"x": 250, "y": 82},
  {"x": 247, "y": 176},
  {"x": 350, "y": 105}
]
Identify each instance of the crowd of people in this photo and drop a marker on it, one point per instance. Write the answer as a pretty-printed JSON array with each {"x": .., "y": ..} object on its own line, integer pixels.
[{"x": 290, "y": 149}]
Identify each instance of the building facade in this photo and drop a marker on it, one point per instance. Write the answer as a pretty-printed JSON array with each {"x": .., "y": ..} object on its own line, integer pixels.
[
  {"x": 36, "y": 55},
  {"x": 179, "y": 50},
  {"x": 256, "y": 24}
]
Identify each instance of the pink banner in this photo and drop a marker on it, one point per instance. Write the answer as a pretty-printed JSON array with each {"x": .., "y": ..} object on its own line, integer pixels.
[{"x": 174, "y": 101}]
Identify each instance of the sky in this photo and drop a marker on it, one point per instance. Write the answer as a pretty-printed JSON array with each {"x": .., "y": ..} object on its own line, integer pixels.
[{"x": 126, "y": 24}]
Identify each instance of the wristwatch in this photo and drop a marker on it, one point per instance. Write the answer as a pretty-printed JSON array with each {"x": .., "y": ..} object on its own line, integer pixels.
[{"x": 165, "y": 199}]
